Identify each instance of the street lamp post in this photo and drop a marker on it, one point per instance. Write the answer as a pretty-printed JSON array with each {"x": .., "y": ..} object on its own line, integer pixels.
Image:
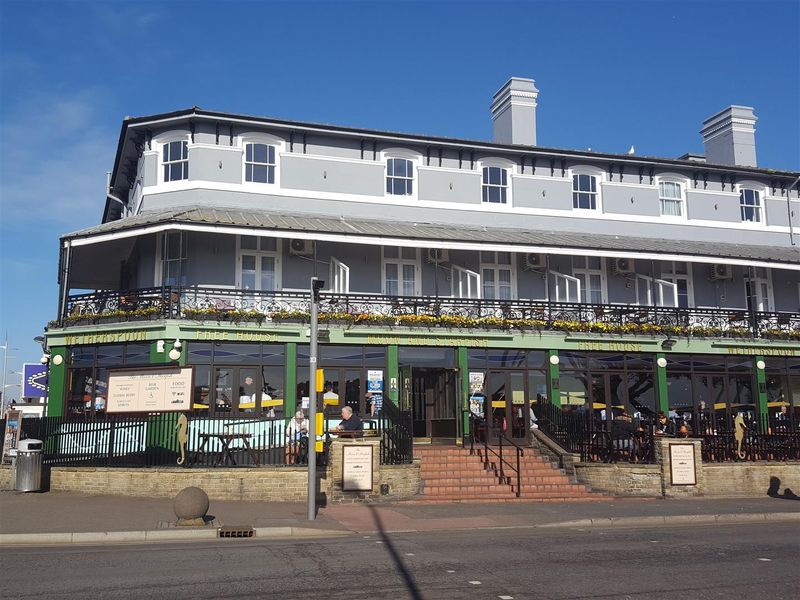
[
  {"x": 5, "y": 372},
  {"x": 316, "y": 286}
]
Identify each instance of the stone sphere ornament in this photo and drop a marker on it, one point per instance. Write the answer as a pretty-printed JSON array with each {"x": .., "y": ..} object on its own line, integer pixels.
[{"x": 191, "y": 506}]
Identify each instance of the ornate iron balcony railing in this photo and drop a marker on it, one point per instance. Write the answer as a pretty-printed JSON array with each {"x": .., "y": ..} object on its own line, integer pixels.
[{"x": 203, "y": 303}]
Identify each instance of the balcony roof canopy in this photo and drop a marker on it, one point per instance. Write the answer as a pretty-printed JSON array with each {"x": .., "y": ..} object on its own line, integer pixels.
[{"x": 433, "y": 235}]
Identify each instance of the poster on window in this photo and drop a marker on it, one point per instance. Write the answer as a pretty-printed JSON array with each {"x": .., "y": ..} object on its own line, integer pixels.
[
  {"x": 375, "y": 380},
  {"x": 149, "y": 390}
]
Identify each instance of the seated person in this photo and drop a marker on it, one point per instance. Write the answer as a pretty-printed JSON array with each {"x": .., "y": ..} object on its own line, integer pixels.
[
  {"x": 663, "y": 426},
  {"x": 296, "y": 430},
  {"x": 350, "y": 423}
]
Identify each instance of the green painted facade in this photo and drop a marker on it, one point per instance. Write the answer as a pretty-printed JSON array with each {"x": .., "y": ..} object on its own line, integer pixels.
[{"x": 392, "y": 338}]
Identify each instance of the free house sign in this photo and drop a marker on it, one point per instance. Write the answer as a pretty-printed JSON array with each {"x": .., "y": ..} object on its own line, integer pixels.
[
  {"x": 356, "y": 468},
  {"x": 150, "y": 390}
]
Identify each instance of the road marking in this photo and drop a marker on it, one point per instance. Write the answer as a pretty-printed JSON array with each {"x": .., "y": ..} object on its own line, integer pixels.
[
  {"x": 378, "y": 542},
  {"x": 475, "y": 582},
  {"x": 366, "y": 537},
  {"x": 765, "y": 559},
  {"x": 450, "y": 571},
  {"x": 409, "y": 554},
  {"x": 506, "y": 597},
  {"x": 653, "y": 541}
]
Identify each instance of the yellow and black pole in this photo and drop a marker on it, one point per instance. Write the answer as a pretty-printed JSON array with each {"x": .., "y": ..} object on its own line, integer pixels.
[{"x": 316, "y": 286}]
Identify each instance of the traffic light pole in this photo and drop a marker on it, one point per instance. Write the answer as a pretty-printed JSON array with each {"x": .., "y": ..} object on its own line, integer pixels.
[{"x": 316, "y": 285}]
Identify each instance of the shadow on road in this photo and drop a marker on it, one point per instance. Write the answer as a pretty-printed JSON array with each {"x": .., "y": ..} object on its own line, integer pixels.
[{"x": 408, "y": 578}]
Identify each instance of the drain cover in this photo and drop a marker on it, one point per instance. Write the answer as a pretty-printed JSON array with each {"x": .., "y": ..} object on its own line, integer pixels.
[{"x": 236, "y": 532}]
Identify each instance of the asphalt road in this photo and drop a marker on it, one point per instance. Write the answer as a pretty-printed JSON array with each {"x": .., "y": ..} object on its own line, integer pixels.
[{"x": 739, "y": 562}]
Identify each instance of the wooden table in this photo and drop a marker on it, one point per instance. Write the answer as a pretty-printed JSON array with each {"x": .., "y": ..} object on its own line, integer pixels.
[{"x": 225, "y": 453}]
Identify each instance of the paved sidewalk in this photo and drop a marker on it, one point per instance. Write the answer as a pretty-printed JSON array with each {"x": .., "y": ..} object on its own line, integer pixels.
[{"x": 63, "y": 513}]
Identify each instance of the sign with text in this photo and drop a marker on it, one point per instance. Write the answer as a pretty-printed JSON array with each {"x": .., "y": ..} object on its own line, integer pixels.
[
  {"x": 150, "y": 390},
  {"x": 357, "y": 468},
  {"x": 682, "y": 467}
]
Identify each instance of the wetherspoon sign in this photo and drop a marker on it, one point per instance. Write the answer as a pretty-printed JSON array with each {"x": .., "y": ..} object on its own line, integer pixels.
[{"x": 149, "y": 390}]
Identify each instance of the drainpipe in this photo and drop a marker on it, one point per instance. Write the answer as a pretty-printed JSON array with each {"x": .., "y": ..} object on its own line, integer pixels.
[{"x": 789, "y": 210}]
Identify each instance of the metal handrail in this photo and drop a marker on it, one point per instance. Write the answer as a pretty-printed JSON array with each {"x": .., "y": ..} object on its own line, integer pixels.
[
  {"x": 216, "y": 302},
  {"x": 474, "y": 419}
]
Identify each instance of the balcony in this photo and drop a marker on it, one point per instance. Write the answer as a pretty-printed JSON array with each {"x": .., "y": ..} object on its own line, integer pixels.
[{"x": 239, "y": 306}]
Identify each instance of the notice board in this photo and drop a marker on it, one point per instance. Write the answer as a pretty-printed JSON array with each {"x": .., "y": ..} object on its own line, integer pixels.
[
  {"x": 357, "y": 468},
  {"x": 682, "y": 468},
  {"x": 150, "y": 390}
]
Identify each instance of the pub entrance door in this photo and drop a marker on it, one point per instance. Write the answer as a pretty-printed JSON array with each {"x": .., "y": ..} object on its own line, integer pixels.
[
  {"x": 507, "y": 405},
  {"x": 432, "y": 396}
]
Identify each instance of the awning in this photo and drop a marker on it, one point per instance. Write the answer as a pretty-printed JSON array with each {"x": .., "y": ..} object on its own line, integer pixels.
[{"x": 434, "y": 235}]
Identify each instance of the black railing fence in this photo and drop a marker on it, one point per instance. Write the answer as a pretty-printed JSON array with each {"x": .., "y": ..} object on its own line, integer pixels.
[
  {"x": 615, "y": 440},
  {"x": 178, "y": 439},
  {"x": 596, "y": 440},
  {"x": 210, "y": 303}
]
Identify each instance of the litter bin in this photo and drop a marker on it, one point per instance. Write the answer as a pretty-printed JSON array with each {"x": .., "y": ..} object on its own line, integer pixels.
[{"x": 29, "y": 466}]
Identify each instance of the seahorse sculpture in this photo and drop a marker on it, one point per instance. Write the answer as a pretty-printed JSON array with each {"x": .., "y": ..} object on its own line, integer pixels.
[
  {"x": 738, "y": 431},
  {"x": 183, "y": 435}
]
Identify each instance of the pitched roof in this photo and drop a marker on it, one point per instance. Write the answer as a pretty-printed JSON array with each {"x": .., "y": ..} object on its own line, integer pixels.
[{"x": 366, "y": 228}]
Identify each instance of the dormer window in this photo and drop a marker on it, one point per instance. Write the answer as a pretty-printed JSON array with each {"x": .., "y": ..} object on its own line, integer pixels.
[
  {"x": 399, "y": 177},
  {"x": 176, "y": 161},
  {"x": 584, "y": 192},
  {"x": 750, "y": 205},
  {"x": 495, "y": 185},
  {"x": 259, "y": 163},
  {"x": 671, "y": 199}
]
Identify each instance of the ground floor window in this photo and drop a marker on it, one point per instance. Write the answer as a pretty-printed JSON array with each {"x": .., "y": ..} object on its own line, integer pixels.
[
  {"x": 87, "y": 373},
  {"x": 707, "y": 392},
  {"x": 354, "y": 377},
  {"x": 783, "y": 393},
  {"x": 238, "y": 378}
]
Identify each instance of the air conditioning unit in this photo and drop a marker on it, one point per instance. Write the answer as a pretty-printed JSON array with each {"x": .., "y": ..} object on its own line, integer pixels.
[
  {"x": 535, "y": 261},
  {"x": 721, "y": 271},
  {"x": 437, "y": 255},
  {"x": 623, "y": 266},
  {"x": 301, "y": 247}
]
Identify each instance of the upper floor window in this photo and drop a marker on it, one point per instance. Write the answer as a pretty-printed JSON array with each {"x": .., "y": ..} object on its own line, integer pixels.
[
  {"x": 584, "y": 192},
  {"x": 497, "y": 275},
  {"x": 671, "y": 199},
  {"x": 750, "y": 205},
  {"x": 400, "y": 271},
  {"x": 259, "y": 163},
  {"x": 399, "y": 177},
  {"x": 495, "y": 185},
  {"x": 589, "y": 271},
  {"x": 176, "y": 161},
  {"x": 173, "y": 258}
]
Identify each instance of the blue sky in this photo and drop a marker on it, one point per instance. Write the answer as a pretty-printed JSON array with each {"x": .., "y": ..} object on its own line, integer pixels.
[{"x": 610, "y": 74}]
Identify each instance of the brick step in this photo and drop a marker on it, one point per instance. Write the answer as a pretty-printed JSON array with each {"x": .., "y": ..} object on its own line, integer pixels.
[
  {"x": 537, "y": 477},
  {"x": 549, "y": 488},
  {"x": 454, "y": 498},
  {"x": 435, "y": 483}
]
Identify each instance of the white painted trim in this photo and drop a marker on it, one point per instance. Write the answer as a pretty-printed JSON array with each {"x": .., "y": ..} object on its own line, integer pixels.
[
  {"x": 270, "y": 140},
  {"x": 413, "y": 243},
  {"x": 587, "y": 272},
  {"x": 684, "y": 184}
]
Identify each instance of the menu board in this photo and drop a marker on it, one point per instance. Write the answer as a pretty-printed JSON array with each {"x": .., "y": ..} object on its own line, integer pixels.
[
  {"x": 150, "y": 390},
  {"x": 356, "y": 468},
  {"x": 682, "y": 464}
]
